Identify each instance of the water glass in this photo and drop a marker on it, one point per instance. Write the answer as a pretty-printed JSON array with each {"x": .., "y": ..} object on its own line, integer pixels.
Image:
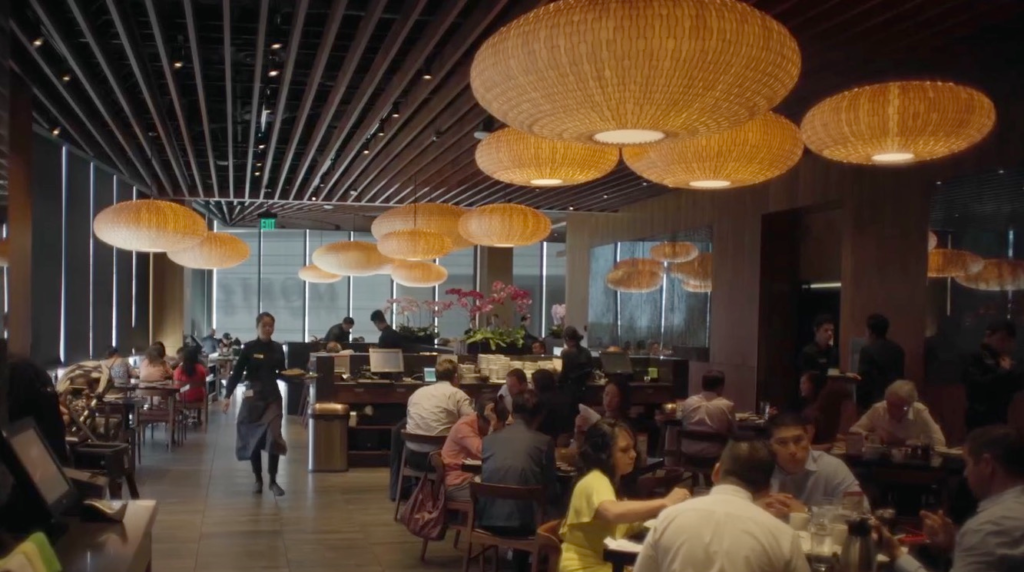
[{"x": 821, "y": 537}]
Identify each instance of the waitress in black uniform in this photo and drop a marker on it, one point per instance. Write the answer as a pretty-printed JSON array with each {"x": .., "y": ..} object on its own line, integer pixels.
[{"x": 259, "y": 418}]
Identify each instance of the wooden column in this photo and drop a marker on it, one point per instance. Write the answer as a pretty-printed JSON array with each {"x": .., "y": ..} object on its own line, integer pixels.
[
  {"x": 19, "y": 272},
  {"x": 167, "y": 302},
  {"x": 495, "y": 264}
]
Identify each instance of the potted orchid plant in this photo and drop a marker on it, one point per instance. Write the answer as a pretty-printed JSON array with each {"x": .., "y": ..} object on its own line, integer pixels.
[
  {"x": 557, "y": 321},
  {"x": 411, "y": 313},
  {"x": 476, "y": 304}
]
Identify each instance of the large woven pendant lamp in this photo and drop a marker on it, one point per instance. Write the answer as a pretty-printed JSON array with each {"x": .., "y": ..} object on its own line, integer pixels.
[
  {"x": 1002, "y": 275},
  {"x": 216, "y": 250},
  {"x": 418, "y": 273},
  {"x": 949, "y": 263},
  {"x": 634, "y": 280},
  {"x": 314, "y": 274},
  {"x": 697, "y": 271},
  {"x": 630, "y": 72},
  {"x": 646, "y": 264},
  {"x": 933, "y": 240},
  {"x": 351, "y": 258},
  {"x": 898, "y": 123},
  {"x": 519, "y": 158},
  {"x": 504, "y": 225},
  {"x": 674, "y": 251},
  {"x": 437, "y": 217},
  {"x": 414, "y": 244},
  {"x": 696, "y": 287},
  {"x": 149, "y": 226},
  {"x": 761, "y": 149}
]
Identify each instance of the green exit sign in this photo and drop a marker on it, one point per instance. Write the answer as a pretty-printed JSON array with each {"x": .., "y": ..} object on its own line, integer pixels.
[{"x": 268, "y": 223}]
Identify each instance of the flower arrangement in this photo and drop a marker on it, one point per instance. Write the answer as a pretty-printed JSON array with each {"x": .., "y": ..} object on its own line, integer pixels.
[
  {"x": 410, "y": 311},
  {"x": 557, "y": 321},
  {"x": 476, "y": 303}
]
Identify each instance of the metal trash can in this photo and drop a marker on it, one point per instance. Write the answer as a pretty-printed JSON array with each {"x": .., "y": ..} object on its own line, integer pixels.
[{"x": 328, "y": 437}]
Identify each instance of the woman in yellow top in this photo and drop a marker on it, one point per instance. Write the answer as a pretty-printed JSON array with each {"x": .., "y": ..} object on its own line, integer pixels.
[{"x": 608, "y": 451}]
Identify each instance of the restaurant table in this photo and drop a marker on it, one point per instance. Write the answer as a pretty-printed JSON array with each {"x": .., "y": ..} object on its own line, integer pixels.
[
  {"x": 942, "y": 473},
  {"x": 163, "y": 391},
  {"x": 125, "y": 546}
]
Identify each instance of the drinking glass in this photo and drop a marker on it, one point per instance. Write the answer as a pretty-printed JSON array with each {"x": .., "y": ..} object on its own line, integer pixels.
[
  {"x": 764, "y": 408},
  {"x": 821, "y": 536}
]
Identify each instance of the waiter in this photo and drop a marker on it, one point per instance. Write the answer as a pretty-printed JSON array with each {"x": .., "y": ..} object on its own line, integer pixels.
[
  {"x": 259, "y": 418},
  {"x": 340, "y": 333},
  {"x": 577, "y": 365},
  {"x": 820, "y": 355},
  {"x": 389, "y": 338}
]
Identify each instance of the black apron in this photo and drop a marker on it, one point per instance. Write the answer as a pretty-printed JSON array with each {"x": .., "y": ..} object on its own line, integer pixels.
[{"x": 259, "y": 427}]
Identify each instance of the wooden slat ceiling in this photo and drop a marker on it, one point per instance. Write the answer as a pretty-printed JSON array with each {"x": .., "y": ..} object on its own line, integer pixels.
[{"x": 180, "y": 96}]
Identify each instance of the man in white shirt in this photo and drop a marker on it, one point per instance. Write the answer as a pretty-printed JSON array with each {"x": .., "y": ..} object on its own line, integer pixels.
[
  {"x": 725, "y": 531},
  {"x": 993, "y": 539},
  {"x": 803, "y": 478},
  {"x": 515, "y": 383},
  {"x": 901, "y": 418},
  {"x": 707, "y": 412}
]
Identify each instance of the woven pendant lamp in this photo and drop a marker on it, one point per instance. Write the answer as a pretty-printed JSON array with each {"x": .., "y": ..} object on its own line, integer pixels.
[
  {"x": 696, "y": 272},
  {"x": 696, "y": 287},
  {"x": 504, "y": 225},
  {"x": 418, "y": 273},
  {"x": 414, "y": 244},
  {"x": 645, "y": 264},
  {"x": 933, "y": 240},
  {"x": 518, "y": 158},
  {"x": 217, "y": 250},
  {"x": 629, "y": 72},
  {"x": 149, "y": 226},
  {"x": 351, "y": 258},
  {"x": 761, "y": 149},
  {"x": 1001, "y": 275},
  {"x": 633, "y": 280},
  {"x": 898, "y": 123},
  {"x": 948, "y": 263},
  {"x": 315, "y": 274},
  {"x": 674, "y": 251},
  {"x": 428, "y": 216}
]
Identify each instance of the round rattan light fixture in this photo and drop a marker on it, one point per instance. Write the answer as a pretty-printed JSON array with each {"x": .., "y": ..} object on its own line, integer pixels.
[
  {"x": 1002, "y": 275},
  {"x": 695, "y": 272},
  {"x": 418, "y": 273},
  {"x": 504, "y": 225},
  {"x": 644, "y": 264},
  {"x": 761, "y": 149},
  {"x": 315, "y": 274},
  {"x": 696, "y": 287},
  {"x": 5, "y": 252},
  {"x": 898, "y": 122},
  {"x": 933, "y": 240},
  {"x": 519, "y": 158},
  {"x": 217, "y": 250},
  {"x": 428, "y": 216},
  {"x": 674, "y": 251},
  {"x": 414, "y": 244},
  {"x": 633, "y": 280},
  {"x": 623, "y": 72},
  {"x": 149, "y": 226},
  {"x": 351, "y": 258},
  {"x": 949, "y": 263}
]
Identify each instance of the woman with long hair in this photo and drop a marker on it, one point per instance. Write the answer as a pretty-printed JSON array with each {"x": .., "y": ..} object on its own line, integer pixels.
[
  {"x": 259, "y": 418},
  {"x": 153, "y": 366},
  {"x": 192, "y": 373},
  {"x": 595, "y": 511}
]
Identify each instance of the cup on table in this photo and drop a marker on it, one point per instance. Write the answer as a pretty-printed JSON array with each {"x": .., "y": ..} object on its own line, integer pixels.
[
  {"x": 839, "y": 533},
  {"x": 798, "y": 521}
]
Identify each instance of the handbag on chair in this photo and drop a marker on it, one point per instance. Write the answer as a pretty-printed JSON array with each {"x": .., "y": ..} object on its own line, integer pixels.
[{"x": 424, "y": 514}]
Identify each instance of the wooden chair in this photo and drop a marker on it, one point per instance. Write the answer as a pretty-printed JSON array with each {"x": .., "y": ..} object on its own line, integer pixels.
[
  {"x": 435, "y": 442},
  {"x": 531, "y": 544},
  {"x": 151, "y": 417},
  {"x": 200, "y": 408},
  {"x": 697, "y": 467},
  {"x": 459, "y": 509},
  {"x": 550, "y": 540}
]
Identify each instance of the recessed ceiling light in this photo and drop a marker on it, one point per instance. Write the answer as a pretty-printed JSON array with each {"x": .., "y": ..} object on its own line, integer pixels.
[
  {"x": 606, "y": 196},
  {"x": 395, "y": 113},
  {"x": 380, "y": 133},
  {"x": 570, "y": 208},
  {"x": 938, "y": 182},
  {"x": 259, "y": 163},
  {"x": 261, "y": 146},
  {"x": 328, "y": 207},
  {"x": 276, "y": 46},
  {"x": 67, "y": 77},
  {"x": 178, "y": 64},
  {"x": 55, "y": 131},
  {"x": 1000, "y": 171},
  {"x": 257, "y": 173},
  {"x": 427, "y": 76},
  {"x": 38, "y": 42},
  {"x": 366, "y": 151},
  {"x": 274, "y": 72},
  {"x": 313, "y": 198}
]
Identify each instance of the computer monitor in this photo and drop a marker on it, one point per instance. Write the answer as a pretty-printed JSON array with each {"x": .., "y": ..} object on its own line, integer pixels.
[
  {"x": 557, "y": 350},
  {"x": 386, "y": 361},
  {"x": 616, "y": 362},
  {"x": 430, "y": 375},
  {"x": 42, "y": 485}
]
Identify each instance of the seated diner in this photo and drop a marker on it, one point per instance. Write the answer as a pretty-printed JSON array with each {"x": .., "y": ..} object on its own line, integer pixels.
[{"x": 900, "y": 418}]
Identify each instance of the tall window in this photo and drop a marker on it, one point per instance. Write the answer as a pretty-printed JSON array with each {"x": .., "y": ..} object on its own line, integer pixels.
[
  {"x": 237, "y": 291},
  {"x": 281, "y": 289},
  {"x": 327, "y": 303},
  {"x": 460, "y": 266},
  {"x": 368, "y": 294}
]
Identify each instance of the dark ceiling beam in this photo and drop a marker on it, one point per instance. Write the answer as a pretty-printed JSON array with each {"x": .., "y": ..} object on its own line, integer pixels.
[
  {"x": 378, "y": 115},
  {"x": 457, "y": 172},
  {"x": 74, "y": 59},
  {"x": 449, "y": 104},
  {"x": 69, "y": 121},
  {"x": 425, "y": 151},
  {"x": 129, "y": 40},
  {"x": 468, "y": 34},
  {"x": 553, "y": 201},
  {"x": 193, "y": 42},
  {"x": 77, "y": 106},
  {"x": 294, "y": 38},
  {"x": 261, "y": 40},
  {"x": 322, "y": 55},
  {"x": 430, "y": 173},
  {"x": 472, "y": 183},
  {"x": 228, "y": 116},
  {"x": 341, "y": 82},
  {"x": 172, "y": 86},
  {"x": 85, "y": 24}
]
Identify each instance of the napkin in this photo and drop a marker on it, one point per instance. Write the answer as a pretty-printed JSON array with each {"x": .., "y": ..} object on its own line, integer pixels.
[{"x": 622, "y": 545}]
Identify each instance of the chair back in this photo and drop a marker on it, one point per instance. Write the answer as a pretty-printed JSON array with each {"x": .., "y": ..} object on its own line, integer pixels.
[
  {"x": 549, "y": 540},
  {"x": 435, "y": 441},
  {"x": 535, "y": 494}
]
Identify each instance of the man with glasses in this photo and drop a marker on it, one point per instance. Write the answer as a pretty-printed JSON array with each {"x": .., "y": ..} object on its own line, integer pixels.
[
  {"x": 901, "y": 418},
  {"x": 802, "y": 477}
]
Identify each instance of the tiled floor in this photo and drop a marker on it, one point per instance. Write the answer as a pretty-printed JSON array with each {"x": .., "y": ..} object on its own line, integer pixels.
[{"x": 209, "y": 520}]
